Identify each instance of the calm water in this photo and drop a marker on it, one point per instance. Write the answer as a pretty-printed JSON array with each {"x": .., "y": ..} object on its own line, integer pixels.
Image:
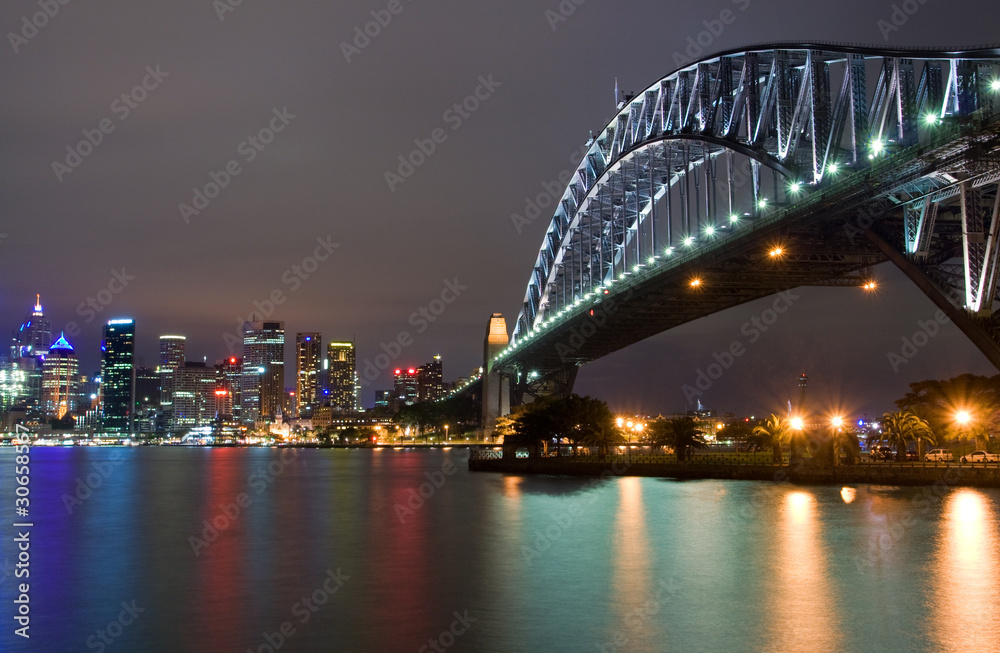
[{"x": 510, "y": 563}]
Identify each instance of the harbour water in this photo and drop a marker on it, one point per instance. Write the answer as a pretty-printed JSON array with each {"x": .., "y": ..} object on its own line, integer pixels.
[{"x": 206, "y": 550}]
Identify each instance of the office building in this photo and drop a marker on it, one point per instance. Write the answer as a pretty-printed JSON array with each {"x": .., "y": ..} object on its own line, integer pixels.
[
  {"x": 194, "y": 396},
  {"x": 405, "y": 391},
  {"x": 172, "y": 356},
  {"x": 34, "y": 337},
  {"x": 342, "y": 377},
  {"x": 429, "y": 387},
  {"x": 228, "y": 373},
  {"x": 308, "y": 363},
  {"x": 60, "y": 380},
  {"x": 263, "y": 375},
  {"x": 118, "y": 376}
]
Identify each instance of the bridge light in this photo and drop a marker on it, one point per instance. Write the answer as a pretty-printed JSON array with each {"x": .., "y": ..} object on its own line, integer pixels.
[
  {"x": 668, "y": 251},
  {"x": 734, "y": 218},
  {"x": 652, "y": 259},
  {"x": 710, "y": 230},
  {"x": 832, "y": 168},
  {"x": 995, "y": 85},
  {"x": 695, "y": 283},
  {"x": 870, "y": 286},
  {"x": 689, "y": 241},
  {"x": 877, "y": 146},
  {"x": 776, "y": 252},
  {"x": 636, "y": 268},
  {"x": 762, "y": 203},
  {"x": 795, "y": 187},
  {"x": 931, "y": 119}
]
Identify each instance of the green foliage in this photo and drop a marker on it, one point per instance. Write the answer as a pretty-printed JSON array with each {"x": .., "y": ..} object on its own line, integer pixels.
[
  {"x": 773, "y": 432},
  {"x": 937, "y": 402},
  {"x": 902, "y": 427},
  {"x": 680, "y": 433},
  {"x": 578, "y": 419},
  {"x": 459, "y": 413}
]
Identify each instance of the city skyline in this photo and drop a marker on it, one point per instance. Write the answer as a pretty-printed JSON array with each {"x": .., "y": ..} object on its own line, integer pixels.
[{"x": 317, "y": 232}]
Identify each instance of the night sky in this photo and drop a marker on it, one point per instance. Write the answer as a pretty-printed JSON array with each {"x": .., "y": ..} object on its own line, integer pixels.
[{"x": 211, "y": 84}]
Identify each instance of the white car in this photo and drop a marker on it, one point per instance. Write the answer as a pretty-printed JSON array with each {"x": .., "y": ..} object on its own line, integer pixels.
[
  {"x": 981, "y": 457},
  {"x": 939, "y": 455}
]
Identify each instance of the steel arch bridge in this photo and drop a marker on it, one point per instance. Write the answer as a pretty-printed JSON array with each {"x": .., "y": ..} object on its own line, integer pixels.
[{"x": 763, "y": 169}]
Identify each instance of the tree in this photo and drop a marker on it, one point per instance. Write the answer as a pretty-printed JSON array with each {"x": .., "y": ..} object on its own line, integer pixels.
[
  {"x": 773, "y": 432},
  {"x": 603, "y": 436},
  {"x": 739, "y": 432},
  {"x": 938, "y": 402},
  {"x": 574, "y": 418},
  {"x": 680, "y": 433},
  {"x": 900, "y": 427}
]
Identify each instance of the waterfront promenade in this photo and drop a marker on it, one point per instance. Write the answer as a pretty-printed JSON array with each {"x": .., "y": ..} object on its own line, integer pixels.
[{"x": 985, "y": 475}]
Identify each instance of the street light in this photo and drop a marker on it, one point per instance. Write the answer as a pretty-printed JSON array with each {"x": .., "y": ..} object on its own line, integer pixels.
[{"x": 446, "y": 433}]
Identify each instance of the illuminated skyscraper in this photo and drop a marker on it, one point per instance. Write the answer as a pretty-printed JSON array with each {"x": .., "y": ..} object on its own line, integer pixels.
[
  {"x": 194, "y": 396},
  {"x": 405, "y": 390},
  {"x": 308, "y": 361},
  {"x": 228, "y": 374},
  {"x": 118, "y": 375},
  {"x": 429, "y": 385},
  {"x": 341, "y": 360},
  {"x": 171, "y": 357},
  {"x": 34, "y": 337},
  {"x": 60, "y": 380},
  {"x": 263, "y": 377}
]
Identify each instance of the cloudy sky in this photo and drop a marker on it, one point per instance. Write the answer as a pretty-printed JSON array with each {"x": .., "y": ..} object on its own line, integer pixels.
[{"x": 309, "y": 115}]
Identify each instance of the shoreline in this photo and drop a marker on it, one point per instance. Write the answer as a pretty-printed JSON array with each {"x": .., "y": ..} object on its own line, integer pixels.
[{"x": 981, "y": 476}]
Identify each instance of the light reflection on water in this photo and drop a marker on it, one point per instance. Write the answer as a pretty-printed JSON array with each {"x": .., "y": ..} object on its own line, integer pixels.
[
  {"x": 966, "y": 571},
  {"x": 636, "y": 565}
]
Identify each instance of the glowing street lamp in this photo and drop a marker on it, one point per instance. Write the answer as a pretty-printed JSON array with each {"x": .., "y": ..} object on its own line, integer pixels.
[
  {"x": 797, "y": 423},
  {"x": 695, "y": 283},
  {"x": 837, "y": 422},
  {"x": 776, "y": 252},
  {"x": 963, "y": 417}
]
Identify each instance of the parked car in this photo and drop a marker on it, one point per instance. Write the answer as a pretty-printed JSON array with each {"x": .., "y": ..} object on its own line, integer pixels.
[
  {"x": 882, "y": 453},
  {"x": 981, "y": 457},
  {"x": 939, "y": 455}
]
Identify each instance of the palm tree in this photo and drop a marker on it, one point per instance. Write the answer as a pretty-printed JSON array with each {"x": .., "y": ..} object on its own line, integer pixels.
[
  {"x": 681, "y": 433},
  {"x": 774, "y": 431},
  {"x": 900, "y": 427},
  {"x": 603, "y": 436}
]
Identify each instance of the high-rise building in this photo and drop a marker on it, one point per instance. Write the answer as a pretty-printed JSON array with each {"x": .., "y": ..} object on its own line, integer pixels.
[
  {"x": 147, "y": 400},
  {"x": 172, "y": 353},
  {"x": 60, "y": 380},
  {"x": 194, "y": 395},
  {"x": 405, "y": 391},
  {"x": 341, "y": 363},
  {"x": 228, "y": 373},
  {"x": 118, "y": 375},
  {"x": 308, "y": 363},
  {"x": 429, "y": 386},
  {"x": 263, "y": 378},
  {"x": 34, "y": 337}
]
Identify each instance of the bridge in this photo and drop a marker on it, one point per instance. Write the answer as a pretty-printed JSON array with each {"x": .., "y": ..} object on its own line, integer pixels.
[{"x": 763, "y": 169}]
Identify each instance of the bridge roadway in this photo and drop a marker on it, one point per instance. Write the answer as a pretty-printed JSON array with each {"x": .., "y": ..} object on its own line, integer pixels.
[{"x": 823, "y": 241}]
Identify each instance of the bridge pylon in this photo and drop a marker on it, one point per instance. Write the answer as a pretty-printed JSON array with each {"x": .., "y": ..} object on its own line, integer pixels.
[{"x": 496, "y": 386}]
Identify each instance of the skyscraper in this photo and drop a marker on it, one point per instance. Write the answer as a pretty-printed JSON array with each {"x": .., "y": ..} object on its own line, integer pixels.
[
  {"x": 263, "y": 377},
  {"x": 228, "y": 374},
  {"x": 308, "y": 360},
  {"x": 60, "y": 380},
  {"x": 118, "y": 375},
  {"x": 34, "y": 337},
  {"x": 429, "y": 386},
  {"x": 341, "y": 360},
  {"x": 194, "y": 395},
  {"x": 405, "y": 390},
  {"x": 171, "y": 357}
]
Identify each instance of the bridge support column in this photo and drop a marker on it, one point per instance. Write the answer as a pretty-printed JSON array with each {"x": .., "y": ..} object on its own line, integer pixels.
[
  {"x": 972, "y": 328},
  {"x": 496, "y": 386}
]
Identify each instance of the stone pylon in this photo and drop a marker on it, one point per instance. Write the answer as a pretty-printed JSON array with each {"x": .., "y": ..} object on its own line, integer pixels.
[{"x": 496, "y": 387}]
